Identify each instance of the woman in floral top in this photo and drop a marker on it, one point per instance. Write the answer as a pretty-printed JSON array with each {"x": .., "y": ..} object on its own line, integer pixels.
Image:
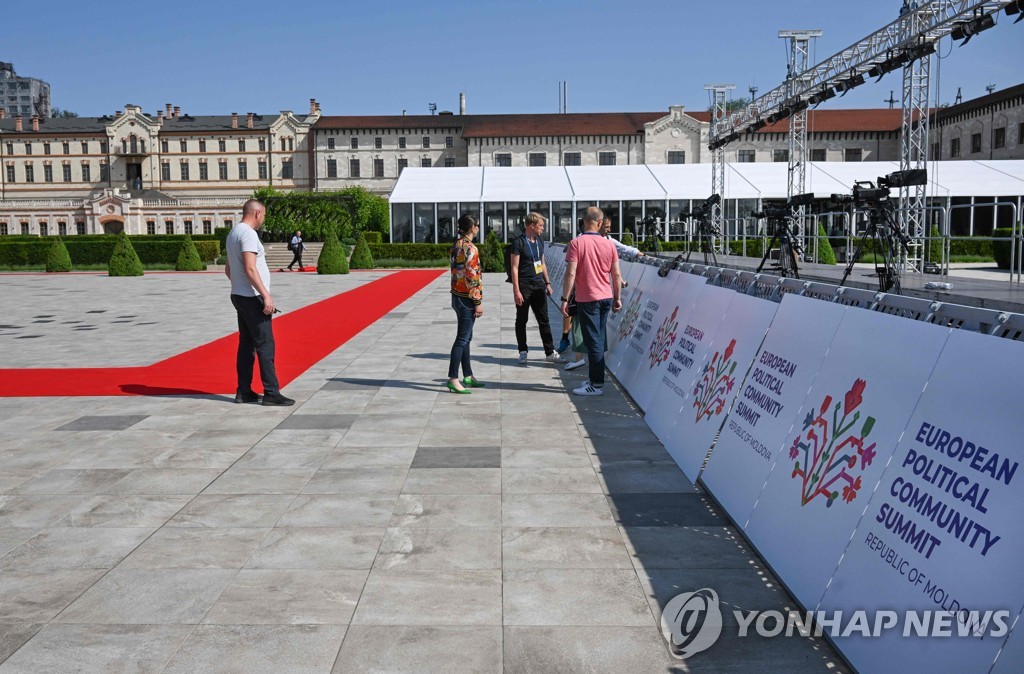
[{"x": 467, "y": 301}]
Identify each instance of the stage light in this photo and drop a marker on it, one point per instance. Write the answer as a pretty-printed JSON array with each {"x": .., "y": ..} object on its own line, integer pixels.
[
  {"x": 965, "y": 30},
  {"x": 849, "y": 83},
  {"x": 920, "y": 51},
  {"x": 823, "y": 95},
  {"x": 759, "y": 124},
  {"x": 1016, "y": 8},
  {"x": 894, "y": 62}
]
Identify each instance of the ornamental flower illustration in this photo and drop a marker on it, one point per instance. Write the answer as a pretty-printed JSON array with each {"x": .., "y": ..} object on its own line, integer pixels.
[
  {"x": 827, "y": 451},
  {"x": 717, "y": 380},
  {"x": 661, "y": 346},
  {"x": 630, "y": 317}
]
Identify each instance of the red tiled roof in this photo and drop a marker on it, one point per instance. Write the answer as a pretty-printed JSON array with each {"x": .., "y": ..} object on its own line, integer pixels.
[
  {"x": 827, "y": 121},
  {"x": 391, "y": 122},
  {"x": 571, "y": 124}
]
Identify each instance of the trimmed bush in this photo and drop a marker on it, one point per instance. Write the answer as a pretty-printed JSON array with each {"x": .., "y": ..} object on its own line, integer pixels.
[
  {"x": 57, "y": 258},
  {"x": 1001, "y": 249},
  {"x": 333, "y": 259},
  {"x": 188, "y": 257},
  {"x": 627, "y": 238},
  {"x": 492, "y": 254},
  {"x": 409, "y": 251},
  {"x": 361, "y": 256},
  {"x": 124, "y": 261},
  {"x": 825, "y": 253},
  {"x": 372, "y": 237},
  {"x": 935, "y": 246}
]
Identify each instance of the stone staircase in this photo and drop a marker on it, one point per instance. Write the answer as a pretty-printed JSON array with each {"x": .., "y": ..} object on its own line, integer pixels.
[{"x": 279, "y": 256}]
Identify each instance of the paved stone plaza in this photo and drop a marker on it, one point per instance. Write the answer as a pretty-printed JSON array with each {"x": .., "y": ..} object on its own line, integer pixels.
[{"x": 381, "y": 524}]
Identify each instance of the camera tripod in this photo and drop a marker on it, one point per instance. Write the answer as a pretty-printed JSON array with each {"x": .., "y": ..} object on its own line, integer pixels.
[
  {"x": 789, "y": 248},
  {"x": 889, "y": 238},
  {"x": 706, "y": 233}
]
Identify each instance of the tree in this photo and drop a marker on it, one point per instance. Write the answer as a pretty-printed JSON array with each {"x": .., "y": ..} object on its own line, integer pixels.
[
  {"x": 333, "y": 258},
  {"x": 935, "y": 246},
  {"x": 56, "y": 113},
  {"x": 627, "y": 238},
  {"x": 825, "y": 253},
  {"x": 188, "y": 257},
  {"x": 492, "y": 256},
  {"x": 124, "y": 261},
  {"x": 362, "y": 258},
  {"x": 57, "y": 257},
  {"x": 315, "y": 212}
]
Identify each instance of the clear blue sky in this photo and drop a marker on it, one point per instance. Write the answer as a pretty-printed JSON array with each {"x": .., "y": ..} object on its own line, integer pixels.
[{"x": 379, "y": 58}]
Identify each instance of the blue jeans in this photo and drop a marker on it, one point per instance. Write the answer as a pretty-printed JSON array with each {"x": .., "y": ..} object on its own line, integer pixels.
[
  {"x": 593, "y": 317},
  {"x": 464, "y": 310}
]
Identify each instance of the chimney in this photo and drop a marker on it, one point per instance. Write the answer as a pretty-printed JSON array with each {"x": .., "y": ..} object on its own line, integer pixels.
[
  {"x": 18, "y": 123},
  {"x": 462, "y": 103},
  {"x": 160, "y": 116},
  {"x": 168, "y": 108},
  {"x": 35, "y": 122},
  {"x": 234, "y": 120},
  {"x": 318, "y": 108},
  {"x": 117, "y": 113},
  {"x": 177, "y": 111},
  {"x": 312, "y": 106},
  {"x": 248, "y": 120}
]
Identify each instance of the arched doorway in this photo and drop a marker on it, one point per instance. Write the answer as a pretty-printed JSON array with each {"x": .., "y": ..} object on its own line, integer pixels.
[{"x": 112, "y": 224}]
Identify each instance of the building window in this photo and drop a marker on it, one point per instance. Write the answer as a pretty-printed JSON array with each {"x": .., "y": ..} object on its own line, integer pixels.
[
  {"x": 30, "y": 173},
  {"x": 378, "y": 143},
  {"x": 353, "y": 168},
  {"x": 10, "y": 148},
  {"x": 46, "y": 148},
  {"x": 184, "y": 170},
  {"x": 80, "y": 228},
  {"x": 48, "y": 173},
  {"x": 261, "y": 169},
  {"x": 204, "y": 171},
  {"x": 104, "y": 172},
  {"x": 503, "y": 159},
  {"x": 263, "y": 144},
  {"x": 332, "y": 168},
  {"x": 954, "y": 148},
  {"x": 168, "y": 226},
  {"x": 378, "y": 168},
  {"x": 66, "y": 170},
  {"x": 330, "y": 143},
  {"x": 286, "y": 169},
  {"x": 207, "y": 227},
  {"x": 188, "y": 227},
  {"x": 936, "y": 150},
  {"x": 975, "y": 143},
  {"x": 449, "y": 162},
  {"x": 150, "y": 227},
  {"x": 165, "y": 171},
  {"x": 403, "y": 164},
  {"x": 243, "y": 170},
  {"x": 183, "y": 145},
  {"x": 85, "y": 147},
  {"x": 538, "y": 159},
  {"x": 28, "y": 148},
  {"x": 426, "y": 163},
  {"x": 354, "y": 143},
  {"x": 449, "y": 142},
  {"x": 746, "y": 156},
  {"x": 202, "y": 146},
  {"x": 66, "y": 147},
  {"x": 401, "y": 142},
  {"x": 241, "y": 145},
  {"x": 3, "y": 229},
  {"x": 10, "y": 173},
  {"x": 676, "y": 157},
  {"x": 86, "y": 173},
  {"x": 164, "y": 147},
  {"x": 284, "y": 145},
  {"x": 572, "y": 159},
  {"x": 222, "y": 170},
  {"x": 62, "y": 228},
  {"x": 853, "y": 154},
  {"x": 1020, "y": 134},
  {"x": 426, "y": 142},
  {"x": 780, "y": 155},
  {"x": 818, "y": 154},
  {"x": 24, "y": 229},
  {"x": 222, "y": 145},
  {"x": 44, "y": 229},
  {"x": 104, "y": 147},
  {"x": 999, "y": 138}
]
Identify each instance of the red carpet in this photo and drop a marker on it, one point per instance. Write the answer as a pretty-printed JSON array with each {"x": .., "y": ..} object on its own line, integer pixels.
[{"x": 303, "y": 338}]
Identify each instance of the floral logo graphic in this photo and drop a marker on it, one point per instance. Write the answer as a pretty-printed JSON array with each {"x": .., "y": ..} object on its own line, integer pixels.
[
  {"x": 827, "y": 452},
  {"x": 630, "y": 317},
  {"x": 716, "y": 382},
  {"x": 661, "y": 347}
]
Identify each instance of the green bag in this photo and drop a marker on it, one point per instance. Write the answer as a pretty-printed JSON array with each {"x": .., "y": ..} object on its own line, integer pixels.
[{"x": 576, "y": 336}]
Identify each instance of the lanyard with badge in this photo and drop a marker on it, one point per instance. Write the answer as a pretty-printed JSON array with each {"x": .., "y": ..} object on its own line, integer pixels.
[{"x": 538, "y": 266}]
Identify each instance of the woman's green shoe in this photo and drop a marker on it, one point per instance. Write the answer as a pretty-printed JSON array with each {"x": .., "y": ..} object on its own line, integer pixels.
[
  {"x": 473, "y": 383},
  {"x": 451, "y": 387}
]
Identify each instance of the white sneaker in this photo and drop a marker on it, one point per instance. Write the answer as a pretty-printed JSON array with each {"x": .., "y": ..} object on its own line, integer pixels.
[
  {"x": 522, "y": 357},
  {"x": 554, "y": 358},
  {"x": 588, "y": 390},
  {"x": 575, "y": 364}
]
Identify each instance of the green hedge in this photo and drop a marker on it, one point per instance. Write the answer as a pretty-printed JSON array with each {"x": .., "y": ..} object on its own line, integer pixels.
[
  {"x": 18, "y": 251},
  {"x": 1001, "y": 249}
]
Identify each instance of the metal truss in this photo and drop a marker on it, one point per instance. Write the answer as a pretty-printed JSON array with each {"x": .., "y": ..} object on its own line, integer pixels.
[
  {"x": 718, "y": 94},
  {"x": 799, "y": 57}
]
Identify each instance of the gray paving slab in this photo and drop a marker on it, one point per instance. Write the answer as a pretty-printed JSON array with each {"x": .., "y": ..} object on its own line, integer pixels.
[
  {"x": 98, "y": 648},
  {"x": 317, "y": 548},
  {"x": 13, "y": 636},
  {"x": 440, "y": 548},
  {"x": 288, "y": 597},
  {"x": 73, "y": 548},
  {"x": 457, "y": 457},
  {"x": 404, "y": 597},
  {"x": 103, "y": 423},
  {"x": 597, "y": 649},
  {"x": 208, "y": 548},
  {"x": 563, "y": 548},
  {"x": 411, "y": 649},
  {"x": 574, "y": 597},
  {"x": 317, "y": 421},
  {"x": 282, "y": 649}
]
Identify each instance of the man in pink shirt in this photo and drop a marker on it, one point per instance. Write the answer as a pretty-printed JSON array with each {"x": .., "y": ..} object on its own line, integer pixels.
[{"x": 592, "y": 266}]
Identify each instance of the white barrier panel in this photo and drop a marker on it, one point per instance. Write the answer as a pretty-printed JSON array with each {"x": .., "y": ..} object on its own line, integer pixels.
[
  {"x": 783, "y": 370},
  {"x": 732, "y": 350},
  {"x": 699, "y": 325},
  {"x": 624, "y": 360},
  {"x": 668, "y": 324},
  {"x": 1011, "y": 658},
  {"x": 865, "y": 392},
  {"x": 942, "y": 531},
  {"x": 622, "y": 322}
]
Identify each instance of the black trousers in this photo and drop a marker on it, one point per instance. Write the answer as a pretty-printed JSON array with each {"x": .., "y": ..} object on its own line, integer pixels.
[
  {"x": 255, "y": 341},
  {"x": 534, "y": 298},
  {"x": 296, "y": 257}
]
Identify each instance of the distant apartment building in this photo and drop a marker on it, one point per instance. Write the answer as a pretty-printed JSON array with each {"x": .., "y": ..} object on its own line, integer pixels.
[{"x": 25, "y": 96}]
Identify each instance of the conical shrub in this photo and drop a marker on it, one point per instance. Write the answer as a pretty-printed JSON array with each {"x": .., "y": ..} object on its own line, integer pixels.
[
  {"x": 57, "y": 257},
  {"x": 935, "y": 246},
  {"x": 362, "y": 258},
  {"x": 627, "y": 238},
  {"x": 825, "y": 253},
  {"x": 124, "y": 261},
  {"x": 333, "y": 258},
  {"x": 492, "y": 254},
  {"x": 188, "y": 257}
]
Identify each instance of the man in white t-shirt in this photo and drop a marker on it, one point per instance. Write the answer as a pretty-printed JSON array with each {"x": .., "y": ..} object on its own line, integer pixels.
[{"x": 250, "y": 294}]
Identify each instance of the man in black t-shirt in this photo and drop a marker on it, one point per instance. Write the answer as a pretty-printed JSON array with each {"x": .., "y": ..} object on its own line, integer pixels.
[{"x": 531, "y": 286}]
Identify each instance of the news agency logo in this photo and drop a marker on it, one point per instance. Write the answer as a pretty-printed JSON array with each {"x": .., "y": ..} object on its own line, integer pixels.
[{"x": 692, "y": 622}]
